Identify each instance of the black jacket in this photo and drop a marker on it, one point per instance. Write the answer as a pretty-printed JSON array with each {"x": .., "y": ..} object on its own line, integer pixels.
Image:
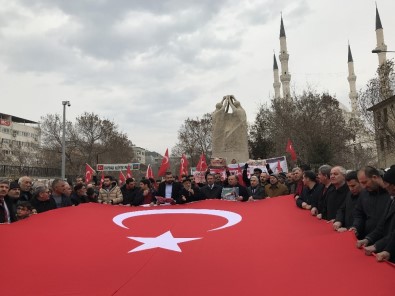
[
  {"x": 310, "y": 196},
  {"x": 380, "y": 236},
  {"x": 370, "y": 207},
  {"x": 43, "y": 206},
  {"x": 257, "y": 193},
  {"x": 210, "y": 193},
  {"x": 334, "y": 199},
  {"x": 175, "y": 193},
  {"x": 345, "y": 214},
  {"x": 132, "y": 197}
]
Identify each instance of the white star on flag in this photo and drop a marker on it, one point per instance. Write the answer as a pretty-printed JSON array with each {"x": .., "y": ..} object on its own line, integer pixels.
[{"x": 164, "y": 241}]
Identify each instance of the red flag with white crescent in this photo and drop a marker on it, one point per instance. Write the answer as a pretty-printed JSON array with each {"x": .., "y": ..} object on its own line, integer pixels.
[
  {"x": 202, "y": 165},
  {"x": 88, "y": 173},
  {"x": 183, "y": 166},
  {"x": 149, "y": 174},
  {"x": 291, "y": 150},
  {"x": 165, "y": 165},
  {"x": 279, "y": 168},
  {"x": 211, "y": 247},
  {"x": 129, "y": 172},
  {"x": 122, "y": 177},
  {"x": 240, "y": 175}
]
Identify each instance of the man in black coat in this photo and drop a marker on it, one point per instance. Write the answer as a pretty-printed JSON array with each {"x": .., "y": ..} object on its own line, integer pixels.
[
  {"x": 233, "y": 182},
  {"x": 131, "y": 194},
  {"x": 311, "y": 191},
  {"x": 7, "y": 214},
  {"x": 377, "y": 240},
  {"x": 169, "y": 188},
  {"x": 211, "y": 190},
  {"x": 42, "y": 201},
  {"x": 372, "y": 202},
  {"x": 255, "y": 190},
  {"x": 335, "y": 198},
  {"x": 345, "y": 214}
]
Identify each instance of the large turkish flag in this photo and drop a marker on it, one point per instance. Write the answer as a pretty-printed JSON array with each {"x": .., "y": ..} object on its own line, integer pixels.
[{"x": 213, "y": 247}]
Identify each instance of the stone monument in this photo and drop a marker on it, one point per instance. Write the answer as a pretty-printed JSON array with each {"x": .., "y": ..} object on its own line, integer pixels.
[{"x": 229, "y": 134}]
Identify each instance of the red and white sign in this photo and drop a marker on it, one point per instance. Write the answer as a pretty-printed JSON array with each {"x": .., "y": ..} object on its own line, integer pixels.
[{"x": 4, "y": 122}]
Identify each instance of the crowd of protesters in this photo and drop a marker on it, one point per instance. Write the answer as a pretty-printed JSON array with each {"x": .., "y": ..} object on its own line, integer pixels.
[{"x": 359, "y": 201}]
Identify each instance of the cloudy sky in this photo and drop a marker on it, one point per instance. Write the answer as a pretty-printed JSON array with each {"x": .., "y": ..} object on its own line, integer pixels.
[{"x": 148, "y": 65}]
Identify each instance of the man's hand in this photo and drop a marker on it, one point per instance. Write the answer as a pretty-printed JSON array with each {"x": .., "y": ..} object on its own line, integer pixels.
[
  {"x": 239, "y": 198},
  {"x": 362, "y": 243},
  {"x": 337, "y": 225},
  {"x": 314, "y": 211},
  {"x": 250, "y": 198},
  {"x": 183, "y": 198},
  {"x": 383, "y": 256},
  {"x": 319, "y": 216},
  {"x": 342, "y": 229},
  {"x": 369, "y": 250}
]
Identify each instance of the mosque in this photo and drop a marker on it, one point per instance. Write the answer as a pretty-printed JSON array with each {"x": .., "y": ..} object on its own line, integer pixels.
[{"x": 382, "y": 140}]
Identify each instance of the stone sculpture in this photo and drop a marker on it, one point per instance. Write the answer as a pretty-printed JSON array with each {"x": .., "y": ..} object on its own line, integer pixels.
[{"x": 229, "y": 134}]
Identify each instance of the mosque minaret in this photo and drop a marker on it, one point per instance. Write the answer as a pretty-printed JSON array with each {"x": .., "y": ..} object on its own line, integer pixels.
[
  {"x": 351, "y": 80},
  {"x": 380, "y": 40},
  {"x": 285, "y": 77},
  {"x": 276, "y": 75}
]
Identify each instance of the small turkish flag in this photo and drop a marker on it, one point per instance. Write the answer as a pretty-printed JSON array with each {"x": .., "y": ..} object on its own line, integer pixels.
[
  {"x": 165, "y": 165},
  {"x": 128, "y": 172},
  {"x": 183, "y": 166},
  {"x": 290, "y": 149},
  {"x": 240, "y": 175},
  {"x": 149, "y": 174},
  {"x": 88, "y": 173},
  {"x": 101, "y": 179},
  {"x": 122, "y": 178},
  {"x": 279, "y": 168},
  {"x": 202, "y": 165}
]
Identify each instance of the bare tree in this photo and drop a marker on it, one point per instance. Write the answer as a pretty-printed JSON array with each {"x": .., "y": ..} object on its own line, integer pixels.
[
  {"x": 378, "y": 89},
  {"x": 194, "y": 138},
  {"x": 315, "y": 124},
  {"x": 86, "y": 140}
]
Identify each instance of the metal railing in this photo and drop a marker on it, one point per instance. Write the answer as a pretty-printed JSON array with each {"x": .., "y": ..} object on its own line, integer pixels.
[{"x": 18, "y": 171}]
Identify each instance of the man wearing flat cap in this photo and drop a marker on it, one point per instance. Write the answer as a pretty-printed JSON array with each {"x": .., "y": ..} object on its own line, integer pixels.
[
  {"x": 380, "y": 240},
  {"x": 275, "y": 188}
]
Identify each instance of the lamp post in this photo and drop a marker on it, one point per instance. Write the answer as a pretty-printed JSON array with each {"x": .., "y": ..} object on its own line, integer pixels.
[
  {"x": 64, "y": 103},
  {"x": 380, "y": 51}
]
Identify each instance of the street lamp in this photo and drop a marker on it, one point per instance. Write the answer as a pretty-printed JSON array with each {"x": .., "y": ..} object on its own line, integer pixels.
[
  {"x": 380, "y": 51},
  {"x": 64, "y": 103}
]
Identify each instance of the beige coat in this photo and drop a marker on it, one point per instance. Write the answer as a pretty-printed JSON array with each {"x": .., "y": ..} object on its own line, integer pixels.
[{"x": 113, "y": 193}]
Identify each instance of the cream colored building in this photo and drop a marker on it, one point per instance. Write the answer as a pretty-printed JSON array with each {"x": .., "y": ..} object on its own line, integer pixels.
[
  {"x": 18, "y": 134},
  {"x": 384, "y": 123}
]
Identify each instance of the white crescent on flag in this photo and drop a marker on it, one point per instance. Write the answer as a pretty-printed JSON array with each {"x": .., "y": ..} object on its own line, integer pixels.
[
  {"x": 233, "y": 218},
  {"x": 167, "y": 240}
]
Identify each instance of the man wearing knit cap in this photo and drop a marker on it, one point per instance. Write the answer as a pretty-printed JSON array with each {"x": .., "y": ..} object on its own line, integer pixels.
[
  {"x": 275, "y": 188},
  {"x": 379, "y": 240},
  {"x": 12, "y": 198}
]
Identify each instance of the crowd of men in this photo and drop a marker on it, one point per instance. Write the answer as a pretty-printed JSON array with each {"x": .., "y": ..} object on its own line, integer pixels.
[{"x": 358, "y": 201}]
